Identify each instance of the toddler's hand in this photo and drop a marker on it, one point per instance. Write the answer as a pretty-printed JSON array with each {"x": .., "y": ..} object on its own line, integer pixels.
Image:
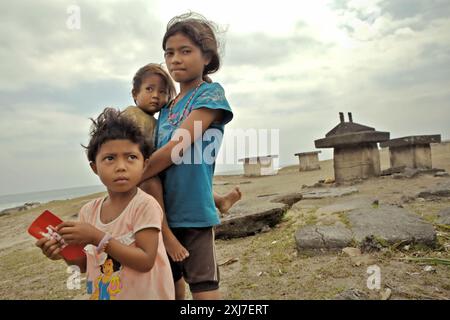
[{"x": 50, "y": 248}]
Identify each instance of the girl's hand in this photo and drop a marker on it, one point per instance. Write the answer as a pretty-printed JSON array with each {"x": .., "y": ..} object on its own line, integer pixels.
[
  {"x": 79, "y": 233},
  {"x": 50, "y": 248}
]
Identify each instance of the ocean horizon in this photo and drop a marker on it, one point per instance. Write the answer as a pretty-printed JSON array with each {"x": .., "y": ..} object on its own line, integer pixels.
[
  {"x": 13, "y": 200},
  {"x": 8, "y": 201}
]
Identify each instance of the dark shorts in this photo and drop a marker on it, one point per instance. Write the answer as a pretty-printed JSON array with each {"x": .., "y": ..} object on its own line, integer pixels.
[{"x": 200, "y": 269}]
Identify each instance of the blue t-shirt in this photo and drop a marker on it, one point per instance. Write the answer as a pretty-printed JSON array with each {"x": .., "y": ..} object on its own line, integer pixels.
[{"x": 188, "y": 187}]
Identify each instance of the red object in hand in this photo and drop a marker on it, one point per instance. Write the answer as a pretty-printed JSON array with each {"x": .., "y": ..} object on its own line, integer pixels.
[{"x": 45, "y": 226}]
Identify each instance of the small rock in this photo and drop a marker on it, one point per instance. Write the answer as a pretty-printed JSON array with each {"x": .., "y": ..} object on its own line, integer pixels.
[
  {"x": 386, "y": 294},
  {"x": 370, "y": 244},
  {"x": 429, "y": 269},
  {"x": 406, "y": 248},
  {"x": 329, "y": 180},
  {"x": 318, "y": 185},
  {"x": 441, "y": 174},
  {"x": 398, "y": 176},
  {"x": 352, "y": 252},
  {"x": 410, "y": 172},
  {"x": 407, "y": 199},
  {"x": 352, "y": 294},
  {"x": 265, "y": 229}
]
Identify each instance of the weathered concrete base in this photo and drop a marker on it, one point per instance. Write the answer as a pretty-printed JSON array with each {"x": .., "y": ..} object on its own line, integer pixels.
[
  {"x": 415, "y": 156},
  {"x": 356, "y": 162},
  {"x": 347, "y": 205},
  {"x": 323, "y": 237},
  {"x": 248, "y": 217},
  {"x": 444, "y": 217},
  {"x": 329, "y": 192},
  {"x": 436, "y": 192},
  {"x": 392, "y": 224},
  {"x": 389, "y": 224}
]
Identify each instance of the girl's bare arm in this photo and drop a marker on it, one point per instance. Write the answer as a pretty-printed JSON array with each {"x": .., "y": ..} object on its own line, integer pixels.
[{"x": 162, "y": 158}]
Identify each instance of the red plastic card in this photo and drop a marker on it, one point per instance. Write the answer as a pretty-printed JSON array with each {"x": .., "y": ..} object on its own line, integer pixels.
[{"x": 44, "y": 225}]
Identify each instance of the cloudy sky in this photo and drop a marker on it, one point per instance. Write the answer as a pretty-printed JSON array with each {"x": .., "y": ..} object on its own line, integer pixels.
[{"x": 287, "y": 65}]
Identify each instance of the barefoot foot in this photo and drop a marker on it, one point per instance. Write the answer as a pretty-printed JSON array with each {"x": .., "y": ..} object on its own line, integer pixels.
[
  {"x": 229, "y": 200},
  {"x": 175, "y": 249}
]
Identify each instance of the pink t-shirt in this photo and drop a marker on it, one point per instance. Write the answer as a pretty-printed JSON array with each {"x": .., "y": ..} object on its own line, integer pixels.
[{"x": 107, "y": 279}]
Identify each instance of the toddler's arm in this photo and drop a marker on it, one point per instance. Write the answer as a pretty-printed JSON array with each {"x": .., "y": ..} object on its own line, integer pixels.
[{"x": 140, "y": 258}]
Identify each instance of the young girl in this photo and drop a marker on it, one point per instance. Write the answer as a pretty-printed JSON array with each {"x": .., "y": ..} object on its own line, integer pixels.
[
  {"x": 191, "y": 54},
  {"x": 125, "y": 255},
  {"x": 152, "y": 89}
]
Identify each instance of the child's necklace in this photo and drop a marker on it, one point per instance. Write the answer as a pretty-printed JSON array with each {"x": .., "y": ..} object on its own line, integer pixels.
[{"x": 172, "y": 117}]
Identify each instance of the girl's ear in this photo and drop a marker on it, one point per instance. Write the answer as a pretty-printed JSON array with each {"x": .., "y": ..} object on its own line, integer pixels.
[
  {"x": 146, "y": 162},
  {"x": 93, "y": 166},
  {"x": 207, "y": 57}
]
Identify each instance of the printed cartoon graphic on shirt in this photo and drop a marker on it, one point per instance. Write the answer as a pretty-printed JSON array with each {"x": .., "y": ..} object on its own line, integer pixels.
[{"x": 108, "y": 284}]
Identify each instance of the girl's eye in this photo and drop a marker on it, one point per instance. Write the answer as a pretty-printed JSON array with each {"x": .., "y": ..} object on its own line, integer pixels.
[
  {"x": 132, "y": 157},
  {"x": 167, "y": 53},
  {"x": 109, "y": 158},
  {"x": 149, "y": 89},
  {"x": 186, "y": 51}
]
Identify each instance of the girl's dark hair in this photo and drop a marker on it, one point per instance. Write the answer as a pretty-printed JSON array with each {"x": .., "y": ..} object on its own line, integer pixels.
[
  {"x": 202, "y": 33},
  {"x": 152, "y": 69},
  {"x": 111, "y": 125}
]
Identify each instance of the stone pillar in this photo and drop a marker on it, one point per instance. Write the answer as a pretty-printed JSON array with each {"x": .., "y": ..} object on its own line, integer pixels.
[{"x": 356, "y": 162}]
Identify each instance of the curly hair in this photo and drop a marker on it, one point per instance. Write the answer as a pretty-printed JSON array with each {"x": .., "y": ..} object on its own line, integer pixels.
[{"x": 111, "y": 125}]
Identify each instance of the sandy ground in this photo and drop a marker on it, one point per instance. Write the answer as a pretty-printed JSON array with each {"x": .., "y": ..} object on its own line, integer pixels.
[{"x": 267, "y": 265}]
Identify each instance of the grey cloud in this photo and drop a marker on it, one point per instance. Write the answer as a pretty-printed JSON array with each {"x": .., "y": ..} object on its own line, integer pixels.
[
  {"x": 113, "y": 35},
  {"x": 258, "y": 49},
  {"x": 81, "y": 98},
  {"x": 428, "y": 9},
  {"x": 429, "y": 71}
]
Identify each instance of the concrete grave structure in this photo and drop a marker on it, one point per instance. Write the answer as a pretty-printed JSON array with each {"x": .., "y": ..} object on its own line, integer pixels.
[
  {"x": 308, "y": 161},
  {"x": 412, "y": 151},
  {"x": 259, "y": 166},
  {"x": 356, "y": 154},
  {"x": 443, "y": 147}
]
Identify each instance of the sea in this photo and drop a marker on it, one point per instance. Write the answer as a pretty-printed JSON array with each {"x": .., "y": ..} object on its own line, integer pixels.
[{"x": 14, "y": 200}]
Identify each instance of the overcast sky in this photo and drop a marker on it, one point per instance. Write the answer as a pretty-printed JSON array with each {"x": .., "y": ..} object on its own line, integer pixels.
[{"x": 287, "y": 65}]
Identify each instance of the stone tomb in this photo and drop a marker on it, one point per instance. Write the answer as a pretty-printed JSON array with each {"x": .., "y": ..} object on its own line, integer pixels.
[
  {"x": 308, "y": 161},
  {"x": 412, "y": 151},
  {"x": 259, "y": 166},
  {"x": 356, "y": 154}
]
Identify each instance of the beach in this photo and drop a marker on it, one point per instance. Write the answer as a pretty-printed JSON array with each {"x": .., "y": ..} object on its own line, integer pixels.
[{"x": 266, "y": 265}]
